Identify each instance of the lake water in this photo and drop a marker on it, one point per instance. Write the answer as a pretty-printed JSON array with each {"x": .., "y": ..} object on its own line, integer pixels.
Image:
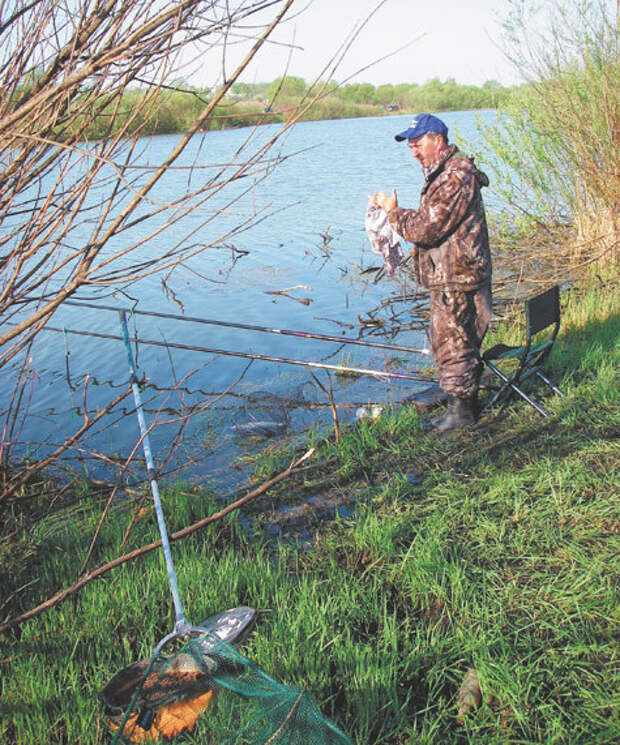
[{"x": 316, "y": 243}]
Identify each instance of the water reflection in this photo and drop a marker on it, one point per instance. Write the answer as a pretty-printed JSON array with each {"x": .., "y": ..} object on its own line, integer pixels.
[{"x": 309, "y": 268}]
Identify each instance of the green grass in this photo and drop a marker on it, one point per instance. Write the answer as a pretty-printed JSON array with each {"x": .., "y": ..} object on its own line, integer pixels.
[{"x": 505, "y": 559}]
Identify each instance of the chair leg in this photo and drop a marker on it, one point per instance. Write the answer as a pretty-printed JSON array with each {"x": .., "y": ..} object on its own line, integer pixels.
[
  {"x": 516, "y": 389},
  {"x": 504, "y": 390},
  {"x": 550, "y": 383}
]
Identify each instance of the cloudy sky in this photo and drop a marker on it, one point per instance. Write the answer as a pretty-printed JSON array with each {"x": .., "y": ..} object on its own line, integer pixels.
[{"x": 452, "y": 38}]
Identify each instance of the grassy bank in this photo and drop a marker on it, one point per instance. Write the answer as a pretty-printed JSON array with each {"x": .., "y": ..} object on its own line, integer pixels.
[{"x": 504, "y": 559}]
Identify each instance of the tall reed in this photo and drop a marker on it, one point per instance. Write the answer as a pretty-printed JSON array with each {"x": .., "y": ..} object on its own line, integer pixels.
[{"x": 556, "y": 145}]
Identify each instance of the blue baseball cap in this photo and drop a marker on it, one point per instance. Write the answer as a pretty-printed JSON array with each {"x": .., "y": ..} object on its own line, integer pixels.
[{"x": 422, "y": 124}]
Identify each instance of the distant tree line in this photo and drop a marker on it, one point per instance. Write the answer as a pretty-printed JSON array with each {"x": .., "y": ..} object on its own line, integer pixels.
[
  {"x": 177, "y": 105},
  {"x": 434, "y": 95}
]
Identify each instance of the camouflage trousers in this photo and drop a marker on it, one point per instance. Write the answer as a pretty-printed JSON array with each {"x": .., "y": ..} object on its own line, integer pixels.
[{"x": 458, "y": 322}]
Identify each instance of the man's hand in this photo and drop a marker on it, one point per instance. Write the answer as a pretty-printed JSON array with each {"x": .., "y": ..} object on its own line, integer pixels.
[{"x": 386, "y": 203}]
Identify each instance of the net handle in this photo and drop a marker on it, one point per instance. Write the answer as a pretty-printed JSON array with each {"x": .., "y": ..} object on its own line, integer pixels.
[{"x": 181, "y": 626}]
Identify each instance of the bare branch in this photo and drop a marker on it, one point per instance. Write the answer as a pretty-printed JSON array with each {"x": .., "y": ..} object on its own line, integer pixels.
[{"x": 85, "y": 579}]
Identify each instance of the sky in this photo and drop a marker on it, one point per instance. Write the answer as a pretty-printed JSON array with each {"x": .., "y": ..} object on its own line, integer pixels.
[{"x": 457, "y": 39}]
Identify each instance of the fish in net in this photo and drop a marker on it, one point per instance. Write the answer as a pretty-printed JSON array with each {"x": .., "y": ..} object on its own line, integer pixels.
[{"x": 241, "y": 704}]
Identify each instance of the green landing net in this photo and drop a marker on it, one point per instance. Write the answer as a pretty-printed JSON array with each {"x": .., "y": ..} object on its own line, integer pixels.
[
  {"x": 229, "y": 699},
  {"x": 207, "y": 688}
]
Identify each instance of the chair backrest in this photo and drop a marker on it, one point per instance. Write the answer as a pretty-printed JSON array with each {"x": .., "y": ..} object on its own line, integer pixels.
[{"x": 543, "y": 310}]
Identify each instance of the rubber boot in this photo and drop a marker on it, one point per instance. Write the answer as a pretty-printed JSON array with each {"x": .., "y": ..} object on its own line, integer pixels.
[
  {"x": 460, "y": 413},
  {"x": 438, "y": 421}
]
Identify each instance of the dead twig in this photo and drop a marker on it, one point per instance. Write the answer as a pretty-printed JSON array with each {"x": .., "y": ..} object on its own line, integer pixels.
[{"x": 330, "y": 397}]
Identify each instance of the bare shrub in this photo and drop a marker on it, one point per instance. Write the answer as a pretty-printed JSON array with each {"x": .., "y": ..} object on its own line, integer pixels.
[{"x": 78, "y": 213}]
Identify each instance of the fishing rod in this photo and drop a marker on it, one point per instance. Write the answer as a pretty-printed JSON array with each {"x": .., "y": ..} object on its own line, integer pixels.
[
  {"x": 250, "y": 327},
  {"x": 251, "y": 356}
]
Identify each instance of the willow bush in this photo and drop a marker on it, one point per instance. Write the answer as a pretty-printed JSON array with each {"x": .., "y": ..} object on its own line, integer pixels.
[{"x": 555, "y": 145}]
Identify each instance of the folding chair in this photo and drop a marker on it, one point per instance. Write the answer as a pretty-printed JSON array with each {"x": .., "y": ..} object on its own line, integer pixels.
[{"x": 541, "y": 312}]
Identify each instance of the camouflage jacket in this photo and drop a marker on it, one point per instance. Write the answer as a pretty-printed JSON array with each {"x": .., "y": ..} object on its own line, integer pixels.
[{"x": 449, "y": 230}]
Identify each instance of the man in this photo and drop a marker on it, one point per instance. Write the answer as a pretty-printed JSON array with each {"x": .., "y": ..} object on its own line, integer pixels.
[{"x": 452, "y": 258}]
